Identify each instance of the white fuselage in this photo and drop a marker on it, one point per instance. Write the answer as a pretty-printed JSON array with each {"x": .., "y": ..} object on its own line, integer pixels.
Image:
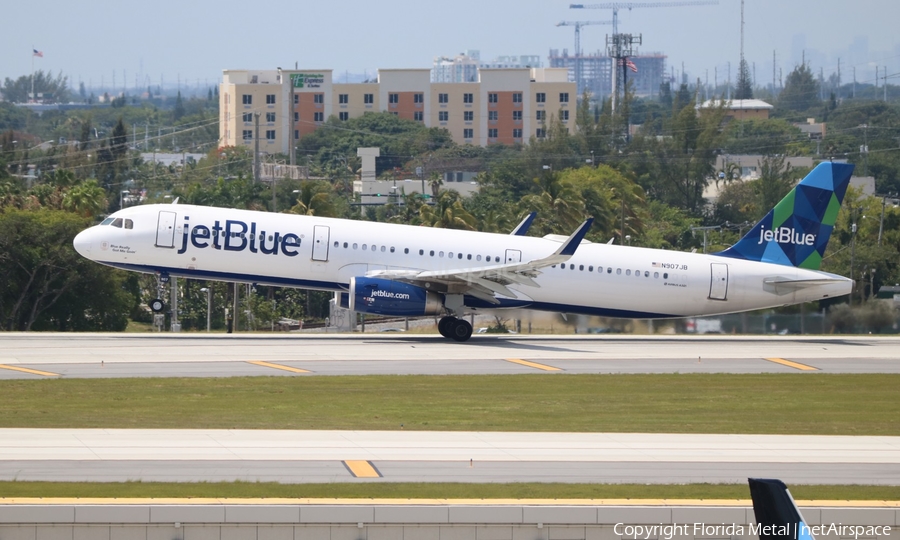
[{"x": 324, "y": 253}]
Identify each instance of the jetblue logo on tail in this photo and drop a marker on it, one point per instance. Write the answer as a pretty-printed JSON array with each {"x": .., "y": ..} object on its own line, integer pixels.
[{"x": 786, "y": 235}]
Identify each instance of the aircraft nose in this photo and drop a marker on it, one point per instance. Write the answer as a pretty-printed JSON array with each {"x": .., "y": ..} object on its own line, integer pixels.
[{"x": 82, "y": 243}]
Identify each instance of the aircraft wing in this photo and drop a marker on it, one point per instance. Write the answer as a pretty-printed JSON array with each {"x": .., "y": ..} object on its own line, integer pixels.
[{"x": 486, "y": 281}]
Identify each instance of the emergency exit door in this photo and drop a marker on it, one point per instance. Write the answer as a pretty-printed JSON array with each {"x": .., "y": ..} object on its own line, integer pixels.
[
  {"x": 718, "y": 285},
  {"x": 165, "y": 230},
  {"x": 320, "y": 243}
]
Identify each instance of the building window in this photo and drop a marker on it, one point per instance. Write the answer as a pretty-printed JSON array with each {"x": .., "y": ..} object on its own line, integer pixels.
[
  {"x": 541, "y": 116},
  {"x": 247, "y": 99},
  {"x": 468, "y": 116},
  {"x": 540, "y": 133},
  {"x": 468, "y": 98},
  {"x": 443, "y": 98},
  {"x": 296, "y": 99},
  {"x": 418, "y": 116},
  {"x": 344, "y": 115},
  {"x": 296, "y": 117},
  {"x": 468, "y": 133},
  {"x": 270, "y": 134},
  {"x": 369, "y": 98},
  {"x": 247, "y": 134},
  {"x": 492, "y": 98},
  {"x": 319, "y": 117},
  {"x": 493, "y": 116},
  {"x": 418, "y": 98},
  {"x": 318, "y": 98},
  {"x": 270, "y": 117},
  {"x": 296, "y": 134},
  {"x": 393, "y": 98},
  {"x": 492, "y": 133},
  {"x": 540, "y": 97},
  {"x": 443, "y": 116},
  {"x": 270, "y": 99},
  {"x": 248, "y": 117},
  {"x": 517, "y": 97},
  {"x": 343, "y": 99},
  {"x": 563, "y": 97},
  {"x": 517, "y": 133},
  {"x": 517, "y": 116},
  {"x": 564, "y": 115}
]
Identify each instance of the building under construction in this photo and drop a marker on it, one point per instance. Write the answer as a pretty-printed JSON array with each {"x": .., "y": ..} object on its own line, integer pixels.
[{"x": 596, "y": 72}]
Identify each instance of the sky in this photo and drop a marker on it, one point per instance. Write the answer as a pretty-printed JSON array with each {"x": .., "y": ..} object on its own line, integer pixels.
[{"x": 193, "y": 41}]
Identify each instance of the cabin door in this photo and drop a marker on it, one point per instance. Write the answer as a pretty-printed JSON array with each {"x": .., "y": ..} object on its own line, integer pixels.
[
  {"x": 165, "y": 230},
  {"x": 320, "y": 243},
  {"x": 718, "y": 286}
]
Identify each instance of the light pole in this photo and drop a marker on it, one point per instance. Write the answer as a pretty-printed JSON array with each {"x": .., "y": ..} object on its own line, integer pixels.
[
  {"x": 122, "y": 198},
  {"x": 208, "y": 292}
]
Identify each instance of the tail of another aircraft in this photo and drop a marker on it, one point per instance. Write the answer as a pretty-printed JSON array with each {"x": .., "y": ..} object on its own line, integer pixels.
[
  {"x": 796, "y": 231},
  {"x": 776, "y": 512}
]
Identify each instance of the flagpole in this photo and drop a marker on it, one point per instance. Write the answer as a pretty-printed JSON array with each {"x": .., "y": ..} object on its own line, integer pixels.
[{"x": 32, "y": 74}]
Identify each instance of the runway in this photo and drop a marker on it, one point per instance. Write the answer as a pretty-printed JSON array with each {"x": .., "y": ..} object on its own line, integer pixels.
[
  {"x": 35, "y": 356},
  {"x": 379, "y": 456}
]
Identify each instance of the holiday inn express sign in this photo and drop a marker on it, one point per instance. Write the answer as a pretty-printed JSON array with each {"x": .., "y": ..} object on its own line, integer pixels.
[{"x": 308, "y": 80}]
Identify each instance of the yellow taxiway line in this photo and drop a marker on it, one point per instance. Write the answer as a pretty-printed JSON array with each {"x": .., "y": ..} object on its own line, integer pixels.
[
  {"x": 277, "y": 366},
  {"x": 795, "y": 365},
  {"x": 361, "y": 469},
  {"x": 535, "y": 365},
  {"x": 32, "y": 371}
]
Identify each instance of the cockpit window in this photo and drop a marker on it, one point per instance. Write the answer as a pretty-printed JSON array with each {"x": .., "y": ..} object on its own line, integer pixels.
[
  {"x": 107, "y": 221},
  {"x": 129, "y": 224},
  {"x": 117, "y": 222}
]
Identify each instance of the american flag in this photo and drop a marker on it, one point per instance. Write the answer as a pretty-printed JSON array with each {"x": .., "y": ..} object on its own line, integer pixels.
[
  {"x": 39, "y": 54},
  {"x": 629, "y": 64}
]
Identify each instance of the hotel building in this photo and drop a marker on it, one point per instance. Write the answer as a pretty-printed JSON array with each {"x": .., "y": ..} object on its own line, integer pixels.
[{"x": 503, "y": 106}]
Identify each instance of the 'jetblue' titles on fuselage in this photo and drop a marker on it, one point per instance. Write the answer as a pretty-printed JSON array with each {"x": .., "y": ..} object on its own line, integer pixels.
[
  {"x": 233, "y": 236},
  {"x": 786, "y": 235}
]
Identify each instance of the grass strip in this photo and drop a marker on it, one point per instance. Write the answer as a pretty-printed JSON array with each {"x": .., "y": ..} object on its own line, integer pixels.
[
  {"x": 823, "y": 404},
  {"x": 390, "y": 490}
]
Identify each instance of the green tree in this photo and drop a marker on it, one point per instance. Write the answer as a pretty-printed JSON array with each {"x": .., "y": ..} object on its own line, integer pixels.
[
  {"x": 17, "y": 91},
  {"x": 744, "y": 87},
  {"x": 801, "y": 91},
  {"x": 86, "y": 199},
  {"x": 179, "y": 107},
  {"x": 447, "y": 213},
  {"x": 316, "y": 198}
]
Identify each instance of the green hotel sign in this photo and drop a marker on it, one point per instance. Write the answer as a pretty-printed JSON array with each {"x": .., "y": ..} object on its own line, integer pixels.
[{"x": 308, "y": 80}]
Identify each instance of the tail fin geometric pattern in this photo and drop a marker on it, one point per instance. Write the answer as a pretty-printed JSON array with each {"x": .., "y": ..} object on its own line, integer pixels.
[
  {"x": 776, "y": 512},
  {"x": 797, "y": 230}
]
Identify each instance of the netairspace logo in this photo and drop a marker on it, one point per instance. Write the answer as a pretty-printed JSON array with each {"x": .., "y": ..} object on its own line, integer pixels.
[{"x": 668, "y": 531}]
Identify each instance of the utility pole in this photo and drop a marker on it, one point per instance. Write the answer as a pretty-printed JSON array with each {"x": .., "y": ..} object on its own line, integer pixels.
[
  {"x": 256, "y": 149},
  {"x": 774, "y": 92}
]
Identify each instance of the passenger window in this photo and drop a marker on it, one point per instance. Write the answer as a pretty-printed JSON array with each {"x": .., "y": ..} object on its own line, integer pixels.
[
  {"x": 129, "y": 224},
  {"x": 478, "y": 258},
  {"x": 107, "y": 221},
  {"x": 345, "y": 245},
  {"x": 364, "y": 247},
  {"x": 590, "y": 268},
  {"x": 618, "y": 271},
  {"x": 609, "y": 270},
  {"x": 571, "y": 267},
  {"x": 382, "y": 249},
  {"x": 646, "y": 273},
  {"x": 666, "y": 275},
  {"x": 431, "y": 253},
  {"x": 450, "y": 255},
  {"x": 627, "y": 272},
  {"x": 637, "y": 273},
  {"x": 656, "y": 275},
  {"x": 441, "y": 254},
  {"x": 469, "y": 256},
  {"x": 581, "y": 268},
  {"x": 392, "y": 249},
  {"x": 355, "y": 245},
  {"x": 117, "y": 223},
  {"x": 459, "y": 255},
  {"x": 271, "y": 238},
  {"x": 337, "y": 244},
  {"x": 406, "y": 251},
  {"x": 421, "y": 252}
]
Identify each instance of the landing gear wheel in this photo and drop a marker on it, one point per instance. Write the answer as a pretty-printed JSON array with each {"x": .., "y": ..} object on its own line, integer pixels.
[
  {"x": 444, "y": 326},
  {"x": 157, "y": 305},
  {"x": 461, "y": 330}
]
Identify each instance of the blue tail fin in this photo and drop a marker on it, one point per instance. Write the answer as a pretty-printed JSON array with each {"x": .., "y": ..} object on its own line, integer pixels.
[
  {"x": 776, "y": 512},
  {"x": 796, "y": 231}
]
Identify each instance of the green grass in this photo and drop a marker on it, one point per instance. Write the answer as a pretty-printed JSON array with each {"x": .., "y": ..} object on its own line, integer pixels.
[
  {"x": 389, "y": 490},
  {"x": 825, "y": 404}
]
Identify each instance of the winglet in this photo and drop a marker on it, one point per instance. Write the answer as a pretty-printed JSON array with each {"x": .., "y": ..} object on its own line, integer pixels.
[
  {"x": 776, "y": 512},
  {"x": 568, "y": 248},
  {"x": 522, "y": 228}
]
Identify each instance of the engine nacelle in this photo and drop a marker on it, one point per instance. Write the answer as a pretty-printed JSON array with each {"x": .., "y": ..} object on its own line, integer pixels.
[{"x": 387, "y": 297}]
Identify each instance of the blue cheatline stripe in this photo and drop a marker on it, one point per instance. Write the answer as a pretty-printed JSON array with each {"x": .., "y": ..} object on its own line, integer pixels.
[{"x": 470, "y": 301}]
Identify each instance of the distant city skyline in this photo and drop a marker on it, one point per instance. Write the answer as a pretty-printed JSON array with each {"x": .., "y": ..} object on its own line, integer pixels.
[{"x": 195, "y": 41}]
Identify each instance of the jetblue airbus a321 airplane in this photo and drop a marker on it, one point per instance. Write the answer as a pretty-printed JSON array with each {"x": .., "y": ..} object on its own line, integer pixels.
[{"x": 405, "y": 270}]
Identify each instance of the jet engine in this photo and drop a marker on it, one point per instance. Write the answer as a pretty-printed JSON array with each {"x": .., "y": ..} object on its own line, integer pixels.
[{"x": 387, "y": 297}]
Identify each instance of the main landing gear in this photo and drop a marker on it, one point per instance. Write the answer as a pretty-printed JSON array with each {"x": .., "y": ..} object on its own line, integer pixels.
[
  {"x": 157, "y": 305},
  {"x": 455, "y": 329}
]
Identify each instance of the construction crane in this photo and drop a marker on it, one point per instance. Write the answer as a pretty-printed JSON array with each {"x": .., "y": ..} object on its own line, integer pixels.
[
  {"x": 616, "y": 6},
  {"x": 579, "y": 72}
]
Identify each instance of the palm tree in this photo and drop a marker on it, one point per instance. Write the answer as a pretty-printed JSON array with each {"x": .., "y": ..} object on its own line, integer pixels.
[
  {"x": 315, "y": 199},
  {"x": 87, "y": 199},
  {"x": 447, "y": 213}
]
